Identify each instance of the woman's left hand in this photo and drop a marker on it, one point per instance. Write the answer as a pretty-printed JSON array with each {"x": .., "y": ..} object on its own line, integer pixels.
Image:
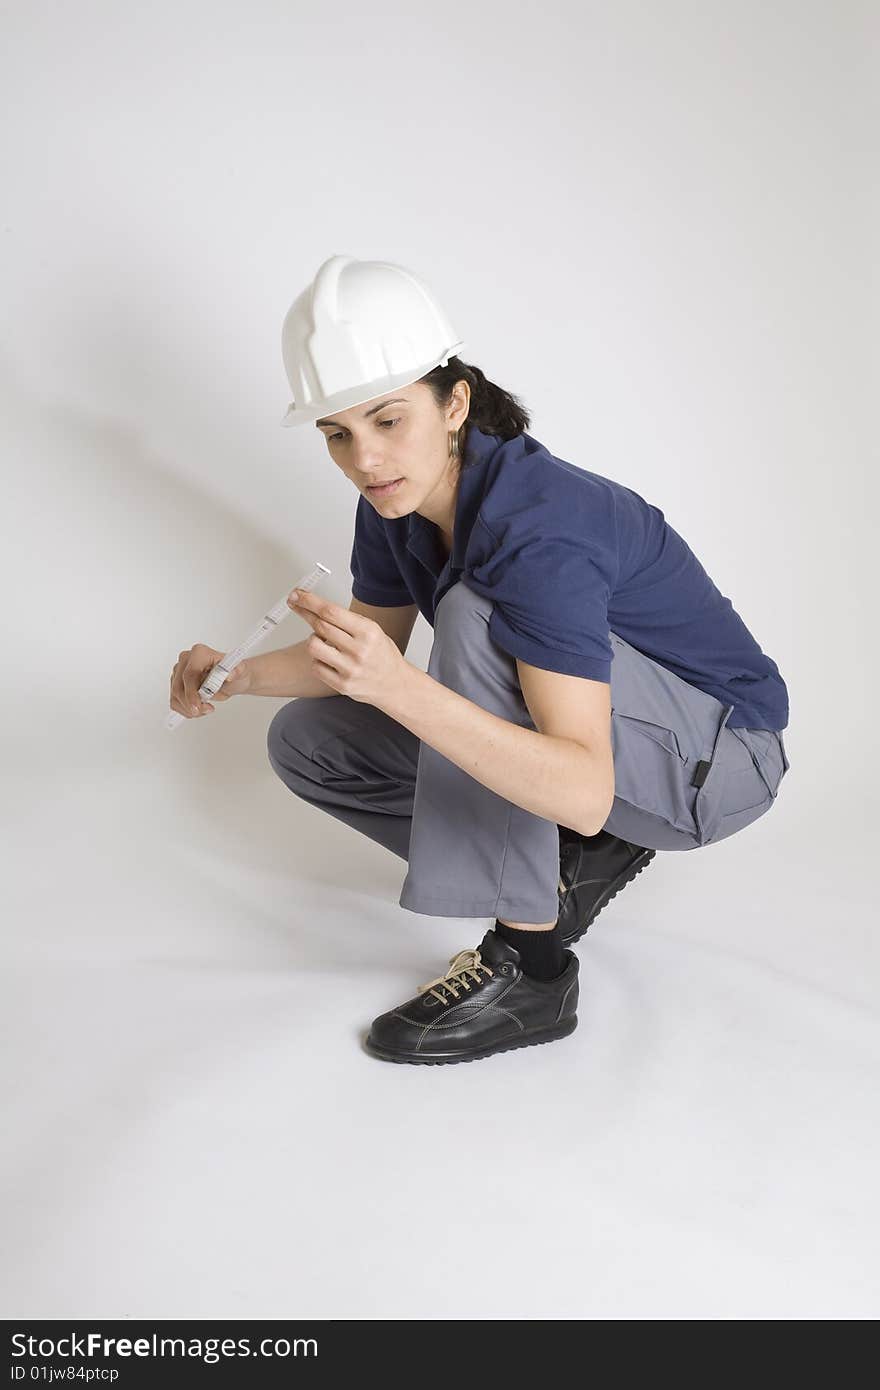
[{"x": 351, "y": 653}]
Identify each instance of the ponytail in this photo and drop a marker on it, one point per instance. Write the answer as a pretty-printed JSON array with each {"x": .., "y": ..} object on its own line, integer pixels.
[{"x": 492, "y": 409}]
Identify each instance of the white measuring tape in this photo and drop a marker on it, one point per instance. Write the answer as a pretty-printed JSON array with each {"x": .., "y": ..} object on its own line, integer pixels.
[{"x": 227, "y": 664}]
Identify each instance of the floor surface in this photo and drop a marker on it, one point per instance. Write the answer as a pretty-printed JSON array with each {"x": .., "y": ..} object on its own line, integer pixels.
[{"x": 193, "y": 1128}]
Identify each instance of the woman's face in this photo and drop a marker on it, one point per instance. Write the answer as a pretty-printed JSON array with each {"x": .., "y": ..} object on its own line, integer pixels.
[{"x": 402, "y": 435}]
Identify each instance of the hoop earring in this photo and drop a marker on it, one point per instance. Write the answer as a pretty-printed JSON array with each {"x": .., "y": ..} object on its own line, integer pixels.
[{"x": 454, "y": 445}]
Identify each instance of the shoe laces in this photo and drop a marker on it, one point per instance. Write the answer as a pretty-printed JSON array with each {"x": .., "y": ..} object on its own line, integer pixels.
[{"x": 466, "y": 963}]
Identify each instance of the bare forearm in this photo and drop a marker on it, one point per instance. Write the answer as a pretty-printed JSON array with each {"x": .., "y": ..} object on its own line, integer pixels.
[
  {"x": 552, "y": 777},
  {"x": 286, "y": 672}
]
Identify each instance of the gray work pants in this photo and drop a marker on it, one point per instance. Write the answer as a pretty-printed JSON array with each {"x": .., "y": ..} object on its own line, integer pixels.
[{"x": 683, "y": 778}]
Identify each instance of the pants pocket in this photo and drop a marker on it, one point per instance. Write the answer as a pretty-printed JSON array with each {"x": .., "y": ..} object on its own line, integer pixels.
[
  {"x": 748, "y": 767},
  {"x": 768, "y": 756},
  {"x": 712, "y": 779},
  {"x": 785, "y": 763},
  {"x": 650, "y": 771}
]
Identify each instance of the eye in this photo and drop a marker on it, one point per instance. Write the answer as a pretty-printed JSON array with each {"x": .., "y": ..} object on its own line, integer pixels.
[{"x": 390, "y": 423}]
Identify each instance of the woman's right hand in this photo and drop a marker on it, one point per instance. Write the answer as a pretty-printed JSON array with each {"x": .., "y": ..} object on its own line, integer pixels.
[{"x": 190, "y": 672}]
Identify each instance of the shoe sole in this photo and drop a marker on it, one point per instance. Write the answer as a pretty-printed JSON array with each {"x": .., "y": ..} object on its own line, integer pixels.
[
  {"x": 639, "y": 863},
  {"x": 561, "y": 1030}
]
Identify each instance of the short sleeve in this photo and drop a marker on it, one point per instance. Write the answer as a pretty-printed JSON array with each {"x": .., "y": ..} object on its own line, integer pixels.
[
  {"x": 550, "y": 583},
  {"x": 375, "y": 574}
]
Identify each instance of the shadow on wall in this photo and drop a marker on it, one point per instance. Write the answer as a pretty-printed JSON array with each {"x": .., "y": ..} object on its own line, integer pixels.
[{"x": 114, "y": 563}]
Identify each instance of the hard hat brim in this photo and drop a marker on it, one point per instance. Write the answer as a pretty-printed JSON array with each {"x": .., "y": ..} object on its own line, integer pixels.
[{"x": 360, "y": 395}]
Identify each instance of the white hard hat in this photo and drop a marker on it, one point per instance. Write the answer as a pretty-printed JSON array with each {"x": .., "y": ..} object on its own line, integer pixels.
[{"x": 360, "y": 329}]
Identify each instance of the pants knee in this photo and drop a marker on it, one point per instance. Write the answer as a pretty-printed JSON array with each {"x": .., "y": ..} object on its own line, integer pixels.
[
  {"x": 462, "y": 656},
  {"x": 292, "y": 733}
]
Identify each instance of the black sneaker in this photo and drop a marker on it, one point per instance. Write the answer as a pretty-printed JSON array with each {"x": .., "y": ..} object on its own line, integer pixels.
[
  {"x": 482, "y": 1005},
  {"x": 591, "y": 871}
]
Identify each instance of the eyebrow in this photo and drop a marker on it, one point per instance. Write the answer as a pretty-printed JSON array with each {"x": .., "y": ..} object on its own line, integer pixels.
[{"x": 371, "y": 411}]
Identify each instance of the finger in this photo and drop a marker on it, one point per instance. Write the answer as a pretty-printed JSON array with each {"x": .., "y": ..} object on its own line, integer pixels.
[
  {"x": 311, "y": 619},
  {"x": 335, "y": 636},
  {"x": 182, "y": 702},
  {"x": 328, "y": 674},
  {"x": 191, "y": 699},
  {"x": 323, "y": 651},
  {"x": 322, "y": 624},
  {"x": 193, "y": 678},
  {"x": 302, "y": 612},
  {"x": 178, "y": 671},
  {"x": 332, "y": 613},
  {"x": 176, "y": 699}
]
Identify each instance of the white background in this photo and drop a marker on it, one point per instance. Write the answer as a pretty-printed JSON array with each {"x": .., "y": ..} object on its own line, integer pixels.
[{"x": 655, "y": 224}]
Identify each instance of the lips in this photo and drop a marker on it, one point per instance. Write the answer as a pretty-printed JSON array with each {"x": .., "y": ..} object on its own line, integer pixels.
[{"x": 385, "y": 488}]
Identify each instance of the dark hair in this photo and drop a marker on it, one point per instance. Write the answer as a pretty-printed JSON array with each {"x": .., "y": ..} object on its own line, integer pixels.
[{"x": 493, "y": 410}]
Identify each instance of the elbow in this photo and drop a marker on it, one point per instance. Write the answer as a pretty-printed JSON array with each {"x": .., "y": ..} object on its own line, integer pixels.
[
  {"x": 593, "y": 827},
  {"x": 594, "y": 816},
  {"x": 593, "y": 794}
]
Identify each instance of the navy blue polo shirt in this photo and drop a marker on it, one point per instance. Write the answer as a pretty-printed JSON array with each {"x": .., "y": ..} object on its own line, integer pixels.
[{"x": 566, "y": 555}]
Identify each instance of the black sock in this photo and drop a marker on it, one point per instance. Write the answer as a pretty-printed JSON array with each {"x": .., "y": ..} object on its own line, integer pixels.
[{"x": 541, "y": 952}]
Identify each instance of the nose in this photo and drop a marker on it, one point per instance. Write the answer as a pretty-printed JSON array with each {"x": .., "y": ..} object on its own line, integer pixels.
[{"x": 367, "y": 461}]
